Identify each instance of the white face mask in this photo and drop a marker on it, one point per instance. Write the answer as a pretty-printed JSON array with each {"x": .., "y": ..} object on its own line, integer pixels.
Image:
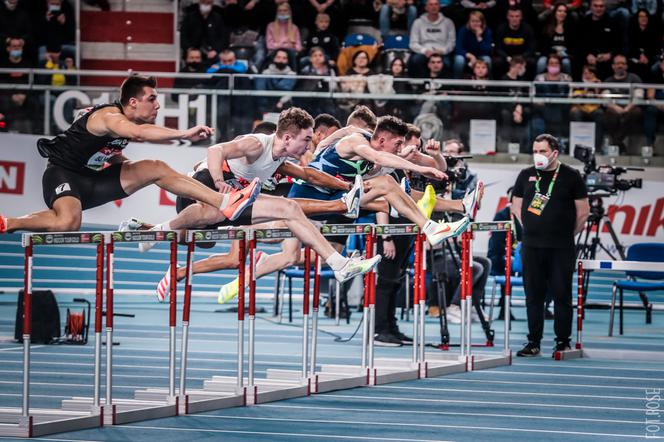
[
  {"x": 541, "y": 161},
  {"x": 205, "y": 9}
]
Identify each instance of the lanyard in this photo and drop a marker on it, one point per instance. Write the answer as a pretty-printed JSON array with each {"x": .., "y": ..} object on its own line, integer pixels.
[{"x": 551, "y": 184}]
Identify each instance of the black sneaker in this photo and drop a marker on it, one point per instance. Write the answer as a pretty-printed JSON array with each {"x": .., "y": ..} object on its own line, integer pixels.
[
  {"x": 405, "y": 340},
  {"x": 560, "y": 346},
  {"x": 529, "y": 350},
  {"x": 386, "y": 340}
]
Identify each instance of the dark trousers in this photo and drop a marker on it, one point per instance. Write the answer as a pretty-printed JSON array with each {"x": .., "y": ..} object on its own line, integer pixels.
[
  {"x": 390, "y": 279},
  {"x": 548, "y": 270}
]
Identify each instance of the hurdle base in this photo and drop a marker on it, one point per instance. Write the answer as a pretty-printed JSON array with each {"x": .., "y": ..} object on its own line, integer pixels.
[
  {"x": 388, "y": 370},
  {"x": 483, "y": 361},
  {"x": 124, "y": 411},
  {"x": 440, "y": 364},
  {"x": 264, "y": 390},
  {"x": 196, "y": 401},
  {"x": 568, "y": 354},
  {"x": 333, "y": 377},
  {"x": 42, "y": 422}
]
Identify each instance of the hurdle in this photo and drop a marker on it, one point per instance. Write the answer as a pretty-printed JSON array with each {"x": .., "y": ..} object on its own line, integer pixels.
[
  {"x": 32, "y": 422},
  {"x": 223, "y": 392},
  {"x": 120, "y": 411},
  {"x": 483, "y": 360}
]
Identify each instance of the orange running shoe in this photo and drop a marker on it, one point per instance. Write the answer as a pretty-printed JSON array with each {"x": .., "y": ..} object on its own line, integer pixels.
[{"x": 241, "y": 199}]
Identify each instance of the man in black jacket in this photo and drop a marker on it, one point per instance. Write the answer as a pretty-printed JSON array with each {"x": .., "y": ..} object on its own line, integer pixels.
[{"x": 203, "y": 27}]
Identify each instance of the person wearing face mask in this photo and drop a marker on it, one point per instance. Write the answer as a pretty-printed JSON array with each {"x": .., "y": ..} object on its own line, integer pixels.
[
  {"x": 280, "y": 81},
  {"x": 619, "y": 118},
  {"x": 193, "y": 65},
  {"x": 57, "y": 29},
  {"x": 282, "y": 33},
  {"x": 551, "y": 115},
  {"x": 203, "y": 26},
  {"x": 16, "y": 105},
  {"x": 550, "y": 201},
  {"x": 14, "y": 21}
]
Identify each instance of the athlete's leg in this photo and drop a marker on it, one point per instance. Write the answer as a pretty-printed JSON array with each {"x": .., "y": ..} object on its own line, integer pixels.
[
  {"x": 320, "y": 207},
  {"x": 64, "y": 217},
  {"x": 135, "y": 175},
  {"x": 442, "y": 204},
  {"x": 212, "y": 263},
  {"x": 387, "y": 188}
]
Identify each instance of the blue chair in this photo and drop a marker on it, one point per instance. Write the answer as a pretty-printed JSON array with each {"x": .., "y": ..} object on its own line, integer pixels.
[
  {"x": 400, "y": 42},
  {"x": 359, "y": 40},
  {"x": 500, "y": 280},
  {"x": 653, "y": 252}
]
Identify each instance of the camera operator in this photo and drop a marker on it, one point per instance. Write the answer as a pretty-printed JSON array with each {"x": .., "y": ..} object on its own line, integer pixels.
[
  {"x": 465, "y": 179},
  {"x": 551, "y": 202}
]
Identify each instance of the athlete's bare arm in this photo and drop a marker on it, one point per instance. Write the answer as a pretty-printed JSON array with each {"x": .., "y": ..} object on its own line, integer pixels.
[
  {"x": 357, "y": 146},
  {"x": 111, "y": 121},
  {"x": 313, "y": 176},
  {"x": 432, "y": 158},
  {"x": 245, "y": 147},
  {"x": 339, "y": 134}
]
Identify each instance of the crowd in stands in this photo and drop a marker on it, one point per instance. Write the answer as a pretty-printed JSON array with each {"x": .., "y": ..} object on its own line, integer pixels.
[{"x": 511, "y": 40}]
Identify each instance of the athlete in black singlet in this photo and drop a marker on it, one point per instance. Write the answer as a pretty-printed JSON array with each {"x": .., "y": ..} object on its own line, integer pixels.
[{"x": 86, "y": 167}]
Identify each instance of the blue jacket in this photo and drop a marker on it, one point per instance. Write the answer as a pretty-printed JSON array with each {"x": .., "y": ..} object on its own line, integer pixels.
[{"x": 467, "y": 42}]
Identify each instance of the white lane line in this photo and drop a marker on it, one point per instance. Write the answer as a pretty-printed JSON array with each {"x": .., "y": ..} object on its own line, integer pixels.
[
  {"x": 315, "y": 408},
  {"x": 506, "y": 392},
  {"x": 590, "y": 367},
  {"x": 21, "y": 348},
  {"x": 47, "y": 396},
  {"x": 115, "y": 375},
  {"x": 410, "y": 425},
  {"x": 538, "y": 384},
  {"x": 482, "y": 403},
  {"x": 567, "y": 375}
]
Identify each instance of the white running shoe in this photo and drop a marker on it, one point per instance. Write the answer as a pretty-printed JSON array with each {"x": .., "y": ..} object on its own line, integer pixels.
[
  {"x": 445, "y": 230},
  {"x": 229, "y": 291},
  {"x": 145, "y": 246},
  {"x": 356, "y": 266},
  {"x": 352, "y": 198},
  {"x": 163, "y": 288},
  {"x": 473, "y": 200},
  {"x": 453, "y": 314},
  {"x": 130, "y": 224}
]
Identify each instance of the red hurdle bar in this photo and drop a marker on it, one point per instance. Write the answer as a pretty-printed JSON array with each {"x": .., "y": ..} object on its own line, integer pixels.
[{"x": 305, "y": 312}]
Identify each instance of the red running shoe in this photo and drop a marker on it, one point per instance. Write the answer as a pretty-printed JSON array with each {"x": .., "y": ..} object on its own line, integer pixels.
[{"x": 241, "y": 199}]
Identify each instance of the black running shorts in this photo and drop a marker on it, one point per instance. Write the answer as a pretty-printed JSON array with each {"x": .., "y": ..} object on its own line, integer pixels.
[{"x": 91, "y": 188}]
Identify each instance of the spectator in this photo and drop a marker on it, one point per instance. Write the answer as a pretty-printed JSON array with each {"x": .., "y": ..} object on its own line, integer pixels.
[
  {"x": 16, "y": 106},
  {"x": 514, "y": 38},
  {"x": 396, "y": 17},
  {"x": 573, "y": 8},
  {"x": 193, "y": 65},
  {"x": 619, "y": 118},
  {"x": 474, "y": 41},
  {"x": 558, "y": 37},
  {"x": 435, "y": 86},
  {"x": 589, "y": 111},
  {"x": 487, "y": 8},
  {"x": 55, "y": 61},
  {"x": 322, "y": 37},
  {"x": 525, "y": 6},
  {"x": 58, "y": 29},
  {"x": 355, "y": 80},
  {"x": 228, "y": 64},
  {"x": 313, "y": 8},
  {"x": 15, "y": 22},
  {"x": 618, "y": 12},
  {"x": 654, "y": 112},
  {"x": 282, "y": 33},
  {"x": 317, "y": 66},
  {"x": 432, "y": 33},
  {"x": 550, "y": 115},
  {"x": 598, "y": 38},
  {"x": 645, "y": 38},
  {"x": 551, "y": 203},
  {"x": 278, "y": 67},
  {"x": 397, "y": 82},
  {"x": 467, "y": 111},
  {"x": 652, "y": 6},
  {"x": 203, "y": 27},
  {"x": 515, "y": 118}
]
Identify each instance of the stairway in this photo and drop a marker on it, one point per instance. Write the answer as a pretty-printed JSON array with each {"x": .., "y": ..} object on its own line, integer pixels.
[{"x": 136, "y": 35}]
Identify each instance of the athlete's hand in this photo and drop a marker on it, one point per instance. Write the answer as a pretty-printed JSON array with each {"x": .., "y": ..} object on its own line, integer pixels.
[
  {"x": 389, "y": 250},
  {"x": 408, "y": 152},
  {"x": 223, "y": 187},
  {"x": 433, "y": 173},
  {"x": 198, "y": 133},
  {"x": 432, "y": 148}
]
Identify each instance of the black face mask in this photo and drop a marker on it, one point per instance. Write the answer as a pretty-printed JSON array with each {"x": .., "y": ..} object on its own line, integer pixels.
[
  {"x": 281, "y": 66},
  {"x": 194, "y": 66}
]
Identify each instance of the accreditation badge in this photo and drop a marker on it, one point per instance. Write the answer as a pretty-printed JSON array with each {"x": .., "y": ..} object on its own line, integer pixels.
[{"x": 538, "y": 204}]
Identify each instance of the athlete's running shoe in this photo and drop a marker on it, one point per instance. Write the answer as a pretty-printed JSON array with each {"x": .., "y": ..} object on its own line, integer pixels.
[
  {"x": 405, "y": 185},
  {"x": 472, "y": 200},
  {"x": 229, "y": 291},
  {"x": 241, "y": 199},
  {"x": 428, "y": 201},
  {"x": 356, "y": 266},
  {"x": 133, "y": 224},
  {"x": 163, "y": 288},
  {"x": 147, "y": 245},
  {"x": 352, "y": 198},
  {"x": 443, "y": 230}
]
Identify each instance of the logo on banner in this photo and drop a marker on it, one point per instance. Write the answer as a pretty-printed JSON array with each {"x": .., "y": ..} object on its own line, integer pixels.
[
  {"x": 12, "y": 177},
  {"x": 64, "y": 187}
]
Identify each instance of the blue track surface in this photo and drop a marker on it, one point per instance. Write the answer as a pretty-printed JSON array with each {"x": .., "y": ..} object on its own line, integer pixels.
[{"x": 583, "y": 399}]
